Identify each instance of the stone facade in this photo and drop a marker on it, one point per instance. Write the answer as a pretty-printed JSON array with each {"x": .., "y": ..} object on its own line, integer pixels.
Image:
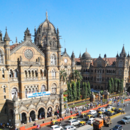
[{"x": 99, "y": 70}]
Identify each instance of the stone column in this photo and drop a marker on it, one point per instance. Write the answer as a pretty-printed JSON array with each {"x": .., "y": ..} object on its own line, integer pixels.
[
  {"x": 45, "y": 114},
  {"x": 36, "y": 118}
]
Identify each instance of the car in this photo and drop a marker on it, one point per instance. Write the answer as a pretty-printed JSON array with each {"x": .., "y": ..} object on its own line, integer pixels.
[
  {"x": 102, "y": 109},
  {"x": 69, "y": 127},
  {"x": 117, "y": 127},
  {"x": 56, "y": 127},
  {"x": 125, "y": 120},
  {"x": 81, "y": 123},
  {"x": 109, "y": 108},
  {"x": 89, "y": 116},
  {"x": 91, "y": 112},
  {"x": 55, "y": 122},
  {"x": 90, "y": 121},
  {"x": 72, "y": 117},
  {"x": 108, "y": 113},
  {"x": 74, "y": 122}
]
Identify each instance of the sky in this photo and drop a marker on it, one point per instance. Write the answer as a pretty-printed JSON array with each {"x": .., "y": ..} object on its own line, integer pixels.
[{"x": 98, "y": 26}]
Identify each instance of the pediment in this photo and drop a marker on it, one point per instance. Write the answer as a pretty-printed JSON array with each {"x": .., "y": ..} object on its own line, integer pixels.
[
  {"x": 50, "y": 103},
  {"x": 65, "y": 55},
  {"x": 26, "y": 43},
  {"x": 56, "y": 102},
  {"x": 31, "y": 107},
  {"x": 22, "y": 108}
]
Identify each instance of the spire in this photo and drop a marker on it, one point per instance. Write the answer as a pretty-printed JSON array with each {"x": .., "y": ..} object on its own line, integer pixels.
[
  {"x": 99, "y": 55},
  {"x": 46, "y": 15},
  {"x": 27, "y": 35},
  {"x": 0, "y": 36},
  {"x": 117, "y": 55},
  {"x": 6, "y": 38},
  {"x": 123, "y": 53},
  {"x": 128, "y": 55},
  {"x": 16, "y": 39},
  {"x": 65, "y": 50},
  {"x": 80, "y": 55},
  {"x": 72, "y": 56}
]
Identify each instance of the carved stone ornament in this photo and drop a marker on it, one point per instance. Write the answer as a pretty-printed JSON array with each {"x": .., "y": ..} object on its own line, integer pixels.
[{"x": 28, "y": 54}]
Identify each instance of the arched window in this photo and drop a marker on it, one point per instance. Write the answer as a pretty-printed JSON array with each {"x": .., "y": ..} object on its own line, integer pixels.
[
  {"x": 29, "y": 74},
  {"x": 120, "y": 72},
  {"x": 53, "y": 73},
  {"x": 54, "y": 89},
  {"x": 11, "y": 73},
  {"x": 33, "y": 74},
  {"x": 36, "y": 73},
  {"x": 43, "y": 88},
  {"x": 14, "y": 92},
  {"x": 53, "y": 60},
  {"x": 3, "y": 73},
  {"x": 25, "y": 73},
  {"x": 15, "y": 73},
  {"x": 1, "y": 57}
]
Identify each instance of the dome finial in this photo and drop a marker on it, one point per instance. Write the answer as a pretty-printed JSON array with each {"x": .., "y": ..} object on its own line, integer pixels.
[{"x": 46, "y": 15}]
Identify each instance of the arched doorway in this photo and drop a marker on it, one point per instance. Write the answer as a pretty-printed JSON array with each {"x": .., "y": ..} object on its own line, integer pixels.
[
  {"x": 49, "y": 112},
  {"x": 32, "y": 116},
  {"x": 41, "y": 113},
  {"x": 128, "y": 90},
  {"x": 23, "y": 118},
  {"x": 11, "y": 113},
  {"x": 56, "y": 110}
]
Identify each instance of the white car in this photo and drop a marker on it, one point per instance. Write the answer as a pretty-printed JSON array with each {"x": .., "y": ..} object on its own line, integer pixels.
[
  {"x": 90, "y": 121},
  {"x": 56, "y": 127},
  {"x": 102, "y": 109},
  {"x": 91, "y": 112},
  {"x": 109, "y": 108},
  {"x": 74, "y": 122},
  {"x": 70, "y": 127}
]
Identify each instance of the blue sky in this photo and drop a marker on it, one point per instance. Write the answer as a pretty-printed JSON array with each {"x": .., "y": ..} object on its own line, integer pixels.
[{"x": 101, "y": 26}]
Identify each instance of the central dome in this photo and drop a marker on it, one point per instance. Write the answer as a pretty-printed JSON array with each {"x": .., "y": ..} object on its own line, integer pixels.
[{"x": 86, "y": 56}]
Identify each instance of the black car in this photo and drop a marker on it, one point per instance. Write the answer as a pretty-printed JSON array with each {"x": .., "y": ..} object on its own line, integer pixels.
[
  {"x": 117, "y": 127},
  {"x": 108, "y": 113}
]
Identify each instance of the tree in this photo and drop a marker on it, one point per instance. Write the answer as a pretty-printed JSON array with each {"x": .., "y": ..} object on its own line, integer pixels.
[
  {"x": 85, "y": 90},
  {"x": 63, "y": 75},
  {"x": 118, "y": 85},
  {"x": 115, "y": 84},
  {"x": 78, "y": 90},
  {"x": 109, "y": 86},
  {"x": 76, "y": 75},
  {"x": 69, "y": 92},
  {"x": 74, "y": 90},
  {"x": 112, "y": 85},
  {"x": 89, "y": 90},
  {"x": 121, "y": 86}
]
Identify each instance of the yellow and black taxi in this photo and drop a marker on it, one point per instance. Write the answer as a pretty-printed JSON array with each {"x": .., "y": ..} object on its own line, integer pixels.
[
  {"x": 89, "y": 116},
  {"x": 72, "y": 117},
  {"x": 81, "y": 123},
  {"x": 83, "y": 115},
  {"x": 55, "y": 122}
]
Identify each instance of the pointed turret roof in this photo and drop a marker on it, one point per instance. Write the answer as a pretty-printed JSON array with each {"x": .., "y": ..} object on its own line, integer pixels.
[
  {"x": 72, "y": 56},
  {"x": 123, "y": 53},
  {"x": 6, "y": 38},
  {"x": 80, "y": 55},
  {"x": 117, "y": 55}
]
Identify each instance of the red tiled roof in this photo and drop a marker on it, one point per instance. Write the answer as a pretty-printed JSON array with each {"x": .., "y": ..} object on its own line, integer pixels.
[
  {"x": 13, "y": 46},
  {"x": 109, "y": 60},
  {"x": 77, "y": 59}
]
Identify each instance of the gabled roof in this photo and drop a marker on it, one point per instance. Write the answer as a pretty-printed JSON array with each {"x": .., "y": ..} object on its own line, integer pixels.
[
  {"x": 16, "y": 47},
  {"x": 64, "y": 54}
]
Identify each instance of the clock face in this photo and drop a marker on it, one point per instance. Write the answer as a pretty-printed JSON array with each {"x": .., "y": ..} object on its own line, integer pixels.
[
  {"x": 65, "y": 60},
  {"x": 28, "y": 54}
]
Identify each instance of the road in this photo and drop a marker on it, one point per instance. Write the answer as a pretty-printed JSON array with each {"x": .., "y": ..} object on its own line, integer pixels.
[{"x": 114, "y": 121}]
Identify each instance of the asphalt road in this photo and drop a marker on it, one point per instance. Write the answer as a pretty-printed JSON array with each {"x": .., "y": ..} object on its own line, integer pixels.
[{"x": 114, "y": 121}]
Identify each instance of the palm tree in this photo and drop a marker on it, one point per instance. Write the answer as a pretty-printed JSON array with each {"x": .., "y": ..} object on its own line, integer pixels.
[
  {"x": 63, "y": 75},
  {"x": 77, "y": 75}
]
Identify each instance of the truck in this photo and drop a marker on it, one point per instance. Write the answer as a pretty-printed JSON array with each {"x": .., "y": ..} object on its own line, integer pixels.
[
  {"x": 99, "y": 123},
  {"x": 85, "y": 127}
]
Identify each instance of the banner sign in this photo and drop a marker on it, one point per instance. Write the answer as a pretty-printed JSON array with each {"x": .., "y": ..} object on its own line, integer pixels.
[{"x": 30, "y": 95}]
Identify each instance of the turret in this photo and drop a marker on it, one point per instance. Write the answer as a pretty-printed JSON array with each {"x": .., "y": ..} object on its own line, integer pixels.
[
  {"x": 27, "y": 35},
  {"x": 123, "y": 53},
  {"x": 58, "y": 39},
  {"x": 7, "y": 48},
  {"x": 0, "y": 36}
]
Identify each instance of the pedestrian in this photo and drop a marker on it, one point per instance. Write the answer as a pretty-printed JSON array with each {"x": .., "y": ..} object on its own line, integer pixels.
[
  {"x": 62, "y": 118},
  {"x": 71, "y": 112}
]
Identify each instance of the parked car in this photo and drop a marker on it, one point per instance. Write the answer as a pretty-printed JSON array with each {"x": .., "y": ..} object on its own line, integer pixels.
[
  {"x": 117, "y": 127},
  {"x": 91, "y": 112},
  {"x": 90, "y": 121},
  {"x": 69, "y": 127},
  {"x": 74, "y": 122},
  {"x": 125, "y": 120},
  {"x": 56, "y": 127}
]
